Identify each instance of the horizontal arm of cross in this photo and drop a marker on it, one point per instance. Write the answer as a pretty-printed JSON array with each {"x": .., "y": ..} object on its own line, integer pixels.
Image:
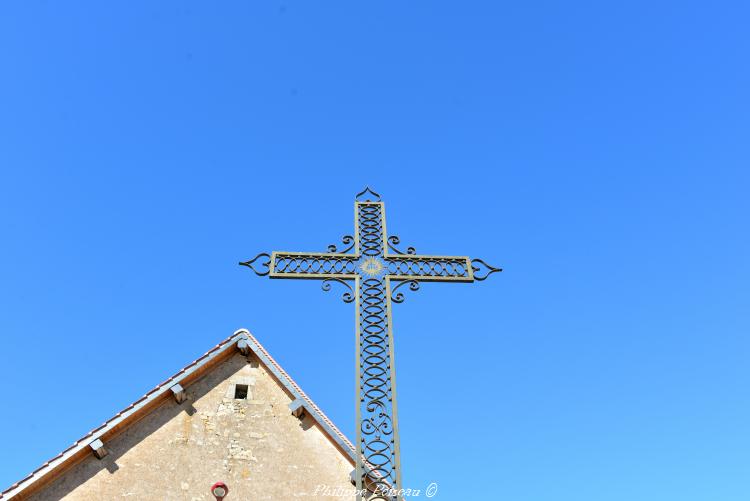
[
  {"x": 437, "y": 268},
  {"x": 312, "y": 265},
  {"x": 426, "y": 268}
]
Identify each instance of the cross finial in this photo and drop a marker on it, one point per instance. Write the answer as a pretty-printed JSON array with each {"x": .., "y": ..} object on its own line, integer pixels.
[{"x": 366, "y": 197}]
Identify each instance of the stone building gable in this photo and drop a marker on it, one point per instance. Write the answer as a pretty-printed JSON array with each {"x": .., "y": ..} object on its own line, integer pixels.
[{"x": 233, "y": 424}]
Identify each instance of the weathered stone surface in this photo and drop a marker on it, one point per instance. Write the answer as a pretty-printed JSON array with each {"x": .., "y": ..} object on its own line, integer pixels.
[{"x": 177, "y": 452}]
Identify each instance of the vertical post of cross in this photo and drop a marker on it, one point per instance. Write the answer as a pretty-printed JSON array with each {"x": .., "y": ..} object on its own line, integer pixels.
[{"x": 377, "y": 412}]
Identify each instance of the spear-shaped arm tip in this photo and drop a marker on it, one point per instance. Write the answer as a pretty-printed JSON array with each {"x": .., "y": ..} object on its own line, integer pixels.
[
  {"x": 263, "y": 265},
  {"x": 482, "y": 270}
]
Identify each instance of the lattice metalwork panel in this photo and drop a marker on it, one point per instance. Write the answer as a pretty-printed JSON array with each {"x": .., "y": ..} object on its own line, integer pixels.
[
  {"x": 312, "y": 264},
  {"x": 429, "y": 267},
  {"x": 377, "y": 436}
]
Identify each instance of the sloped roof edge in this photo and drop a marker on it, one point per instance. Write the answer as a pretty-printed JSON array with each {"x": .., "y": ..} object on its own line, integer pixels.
[{"x": 187, "y": 375}]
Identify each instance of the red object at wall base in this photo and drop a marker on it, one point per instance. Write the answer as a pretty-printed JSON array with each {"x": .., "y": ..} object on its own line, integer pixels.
[{"x": 219, "y": 490}]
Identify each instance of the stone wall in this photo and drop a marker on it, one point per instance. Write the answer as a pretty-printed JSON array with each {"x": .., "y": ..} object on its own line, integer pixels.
[{"x": 178, "y": 451}]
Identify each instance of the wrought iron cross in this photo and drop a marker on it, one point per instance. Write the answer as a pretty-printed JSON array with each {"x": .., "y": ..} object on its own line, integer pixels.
[{"x": 368, "y": 261}]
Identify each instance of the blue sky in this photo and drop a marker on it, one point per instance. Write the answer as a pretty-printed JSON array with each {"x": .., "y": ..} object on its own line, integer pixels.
[{"x": 597, "y": 151}]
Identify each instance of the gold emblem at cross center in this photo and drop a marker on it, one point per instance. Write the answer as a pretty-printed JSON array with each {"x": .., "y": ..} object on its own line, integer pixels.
[{"x": 371, "y": 266}]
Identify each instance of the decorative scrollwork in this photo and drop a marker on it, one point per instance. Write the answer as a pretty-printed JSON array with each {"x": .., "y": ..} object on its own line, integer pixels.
[
  {"x": 393, "y": 241},
  {"x": 346, "y": 240},
  {"x": 399, "y": 297},
  {"x": 262, "y": 264},
  {"x": 484, "y": 268},
  {"x": 365, "y": 197},
  {"x": 347, "y": 297}
]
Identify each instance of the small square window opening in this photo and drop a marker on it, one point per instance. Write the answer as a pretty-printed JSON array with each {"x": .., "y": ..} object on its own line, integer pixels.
[{"x": 240, "y": 391}]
